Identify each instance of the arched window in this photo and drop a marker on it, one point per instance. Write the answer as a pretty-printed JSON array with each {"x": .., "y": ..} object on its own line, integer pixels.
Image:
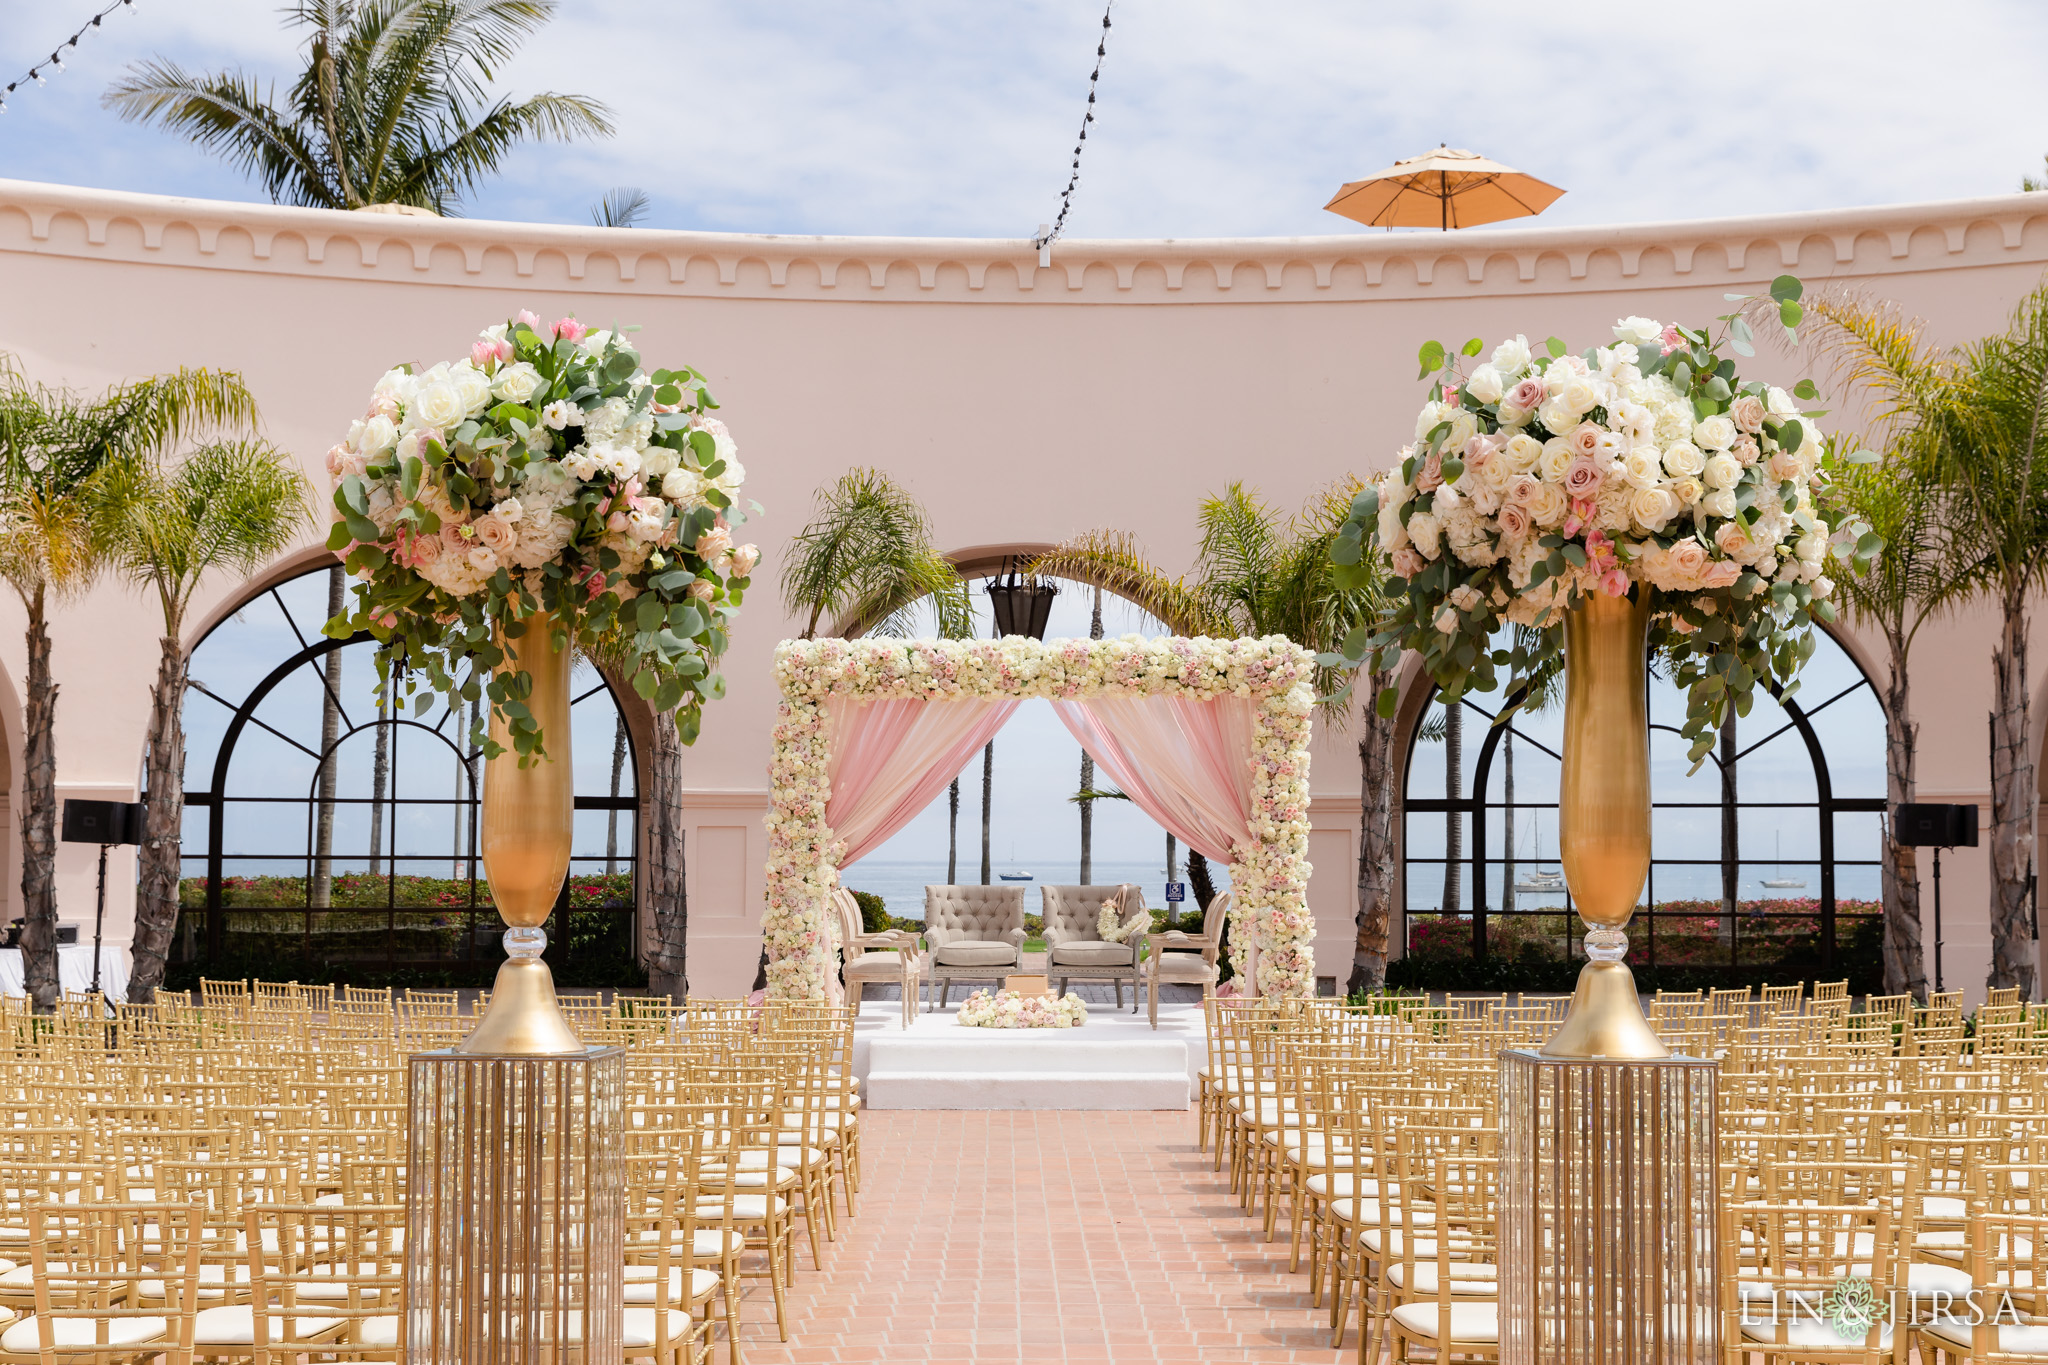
[
  {"x": 1764, "y": 859},
  {"x": 321, "y": 835}
]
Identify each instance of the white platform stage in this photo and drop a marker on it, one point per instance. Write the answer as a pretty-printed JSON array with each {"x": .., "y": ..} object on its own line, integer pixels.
[{"x": 1114, "y": 1061}]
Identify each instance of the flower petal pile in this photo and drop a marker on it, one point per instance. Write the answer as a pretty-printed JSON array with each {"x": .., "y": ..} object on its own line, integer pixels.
[
  {"x": 543, "y": 473},
  {"x": 1645, "y": 465},
  {"x": 1008, "y": 1009},
  {"x": 1268, "y": 873}
]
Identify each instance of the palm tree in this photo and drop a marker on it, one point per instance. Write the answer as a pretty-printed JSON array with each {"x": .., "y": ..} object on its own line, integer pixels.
[
  {"x": 1255, "y": 573},
  {"x": 1969, "y": 422},
  {"x": 231, "y": 506},
  {"x": 392, "y": 106},
  {"x": 623, "y": 206},
  {"x": 55, "y": 446},
  {"x": 866, "y": 559},
  {"x": 1087, "y": 802}
]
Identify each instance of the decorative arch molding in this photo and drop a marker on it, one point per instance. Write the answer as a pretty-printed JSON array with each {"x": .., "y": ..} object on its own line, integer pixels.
[{"x": 67, "y": 221}]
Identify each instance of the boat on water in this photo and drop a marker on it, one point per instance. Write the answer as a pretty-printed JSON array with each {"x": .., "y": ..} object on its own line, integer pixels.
[
  {"x": 1013, "y": 876},
  {"x": 1781, "y": 882},
  {"x": 1540, "y": 881}
]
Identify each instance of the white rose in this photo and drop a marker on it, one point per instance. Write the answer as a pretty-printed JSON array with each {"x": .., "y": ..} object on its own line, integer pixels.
[
  {"x": 1464, "y": 426},
  {"x": 1687, "y": 489},
  {"x": 1780, "y": 403},
  {"x": 1813, "y": 548},
  {"x": 1823, "y": 586},
  {"x": 1716, "y": 433},
  {"x": 436, "y": 405},
  {"x": 1521, "y": 452},
  {"x": 1447, "y": 620},
  {"x": 1548, "y": 505},
  {"x": 1719, "y": 503},
  {"x": 1653, "y": 507},
  {"x": 1722, "y": 471},
  {"x": 1682, "y": 459},
  {"x": 1581, "y": 395},
  {"x": 683, "y": 486},
  {"x": 1640, "y": 330},
  {"x": 1393, "y": 535},
  {"x": 1642, "y": 468},
  {"x": 1557, "y": 415},
  {"x": 1557, "y": 458},
  {"x": 1422, "y": 529},
  {"x": 517, "y": 383},
  {"x": 1485, "y": 384},
  {"x": 472, "y": 388},
  {"x": 1510, "y": 358},
  {"x": 378, "y": 435},
  {"x": 1426, "y": 420},
  {"x": 656, "y": 462}
]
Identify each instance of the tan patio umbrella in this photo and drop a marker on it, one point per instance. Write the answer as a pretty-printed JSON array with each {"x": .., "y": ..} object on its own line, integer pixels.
[{"x": 1446, "y": 188}]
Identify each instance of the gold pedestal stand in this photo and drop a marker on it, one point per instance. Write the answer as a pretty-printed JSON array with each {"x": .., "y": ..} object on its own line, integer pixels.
[
  {"x": 1609, "y": 1196},
  {"x": 515, "y": 1212},
  {"x": 1609, "y": 1212}
]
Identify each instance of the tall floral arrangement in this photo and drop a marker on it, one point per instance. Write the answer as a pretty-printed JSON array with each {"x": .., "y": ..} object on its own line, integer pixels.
[
  {"x": 1644, "y": 465},
  {"x": 1269, "y": 870},
  {"x": 543, "y": 477}
]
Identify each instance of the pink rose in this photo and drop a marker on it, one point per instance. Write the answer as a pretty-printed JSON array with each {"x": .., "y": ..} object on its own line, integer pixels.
[
  {"x": 1744, "y": 450},
  {"x": 336, "y": 456},
  {"x": 703, "y": 589},
  {"x": 617, "y": 522},
  {"x": 1582, "y": 478},
  {"x": 1748, "y": 413},
  {"x": 1731, "y": 540},
  {"x": 1785, "y": 466},
  {"x": 1431, "y": 474},
  {"x": 1585, "y": 439},
  {"x": 1522, "y": 489},
  {"x": 1514, "y": 520},
  {"x": 744, "y": 559},
  {"x": 496, "y": 532},
  {"x": 1689, "y": 557},
  {"x": 1407, "y": 563},
  {"x": 1722, "y": 573},
  {"x": 1528, "y": 395},
  {"x": 1480, "y": 449},
  {"x": 568, "y": 329},
  {"x": 714, "y": 543},
  {"x": 423, "y": 550}
]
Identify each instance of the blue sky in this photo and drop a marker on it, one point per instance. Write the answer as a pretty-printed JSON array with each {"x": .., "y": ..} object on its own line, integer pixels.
[{"x": 956, "y": 117}]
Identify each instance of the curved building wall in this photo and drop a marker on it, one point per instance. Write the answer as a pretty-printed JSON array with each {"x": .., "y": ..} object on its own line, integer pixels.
[{"x": 1021, "y": 403}]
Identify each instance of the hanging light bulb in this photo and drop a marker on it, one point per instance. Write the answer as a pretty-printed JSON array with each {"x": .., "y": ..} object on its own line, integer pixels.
[{"x": 37, "y": 76}]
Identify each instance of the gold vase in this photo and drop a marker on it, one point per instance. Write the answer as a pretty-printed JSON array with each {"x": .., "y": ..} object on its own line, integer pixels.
[
  {"x": 1603, "y": 820},
  {"x": 529, "y": 816}
]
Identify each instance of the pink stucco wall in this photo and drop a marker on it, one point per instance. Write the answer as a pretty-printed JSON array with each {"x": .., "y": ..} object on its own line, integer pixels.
[{"x": 1021, "y": 403}]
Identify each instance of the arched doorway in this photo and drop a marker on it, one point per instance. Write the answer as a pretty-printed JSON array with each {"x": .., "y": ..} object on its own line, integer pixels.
[
  {"x": 1764, "y": 860},
  {"x": 330, "y": 839}
]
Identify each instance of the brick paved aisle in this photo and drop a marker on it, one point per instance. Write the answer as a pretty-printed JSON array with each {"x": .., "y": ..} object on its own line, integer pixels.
[{"x": 1043, "y": 1237}]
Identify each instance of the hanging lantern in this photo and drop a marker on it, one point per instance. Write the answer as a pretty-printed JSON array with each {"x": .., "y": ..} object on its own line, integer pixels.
[{"x": 1021, "y": 603}]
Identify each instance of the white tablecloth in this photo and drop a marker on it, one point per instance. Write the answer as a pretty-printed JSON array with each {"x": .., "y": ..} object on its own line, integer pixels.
[{"x": 74, "y": 971}]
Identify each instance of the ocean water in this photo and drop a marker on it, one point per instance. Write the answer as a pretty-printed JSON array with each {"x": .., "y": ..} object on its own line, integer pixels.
[{"x": 901, "y": 884}]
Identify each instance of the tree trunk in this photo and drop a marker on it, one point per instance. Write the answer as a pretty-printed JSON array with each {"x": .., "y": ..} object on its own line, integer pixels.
[
  {"x": 322, "y": 889},
  {"x": 39, "y": 819},
  {"x": 988, "y": 783},
  {"x": 1172, "y": 865},
  {"x": 1088, "y": 778},
  {"x": 953, "y": 833},
  {"x": 2012, "y": 806},
  {"x": 156, "y": 894},
  {"x": 380, "y": 781},
  {"x": 1507, "y": 866},
  {"x": 667, "y": 965},
  {"x": 1454, "y": 820},
  {"x": 1375, "y": 845},
  {"x": 1198, "y": 881},
  {"x": 611, "y": 822},
  {"x": 1905, "y": 966},
  {"x": 1731, "y": 834}
]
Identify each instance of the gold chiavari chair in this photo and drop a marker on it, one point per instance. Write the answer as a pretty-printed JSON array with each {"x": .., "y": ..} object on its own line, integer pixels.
[{"x": 88, "y": 1263}]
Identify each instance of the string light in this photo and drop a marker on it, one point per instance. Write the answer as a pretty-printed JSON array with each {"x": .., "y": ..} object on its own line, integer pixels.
[
  {"x": 55, "y": 61},
  {"x": 1049, "y": 235}
]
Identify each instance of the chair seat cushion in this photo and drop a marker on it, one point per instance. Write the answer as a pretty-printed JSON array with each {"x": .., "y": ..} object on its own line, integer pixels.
[
  {"x": 1343, "y": 1185},
  {"x": 377, "y": 1331},
  {"x": 234, "y": 1324},
  {"x": 875, "y": 966},
  {"x": 640, "y": 1324},
  {"x": 1090, "y": 953},
  {"x": 746, "y": 1208},
  {"x": 1803, "y": 1330},
  {"x": 975, "y": 953},
  {"x": 1467, "y": 1277},
  {"x": 2019, "y": 1339},
  {"x": 25, "y": 1337},
  {"x": 1474, "y": 1322},
  {"x": 1184, "y": 967},
  {"x": 641, "y": 1282}
]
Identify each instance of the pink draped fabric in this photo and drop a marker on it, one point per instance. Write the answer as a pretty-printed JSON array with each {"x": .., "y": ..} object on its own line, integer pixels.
[
  {"x": 890, "y": 758},
  {"x": 1186, "y": 763}
]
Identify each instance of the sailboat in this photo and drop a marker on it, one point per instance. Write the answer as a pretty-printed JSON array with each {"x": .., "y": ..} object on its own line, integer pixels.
[
  {"x": 1539, "y": 882},
  {"x": 1781, "y": 882},
  {"x": 1013, "y": 876}
]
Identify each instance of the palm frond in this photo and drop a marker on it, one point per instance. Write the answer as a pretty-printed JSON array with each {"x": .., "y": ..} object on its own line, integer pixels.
[
  {"x": 623, "y": 206},
  {"x": 865, "y": 558},
  {"x": 1115, "y": 562},
  {"x": 228, "y": 115}
]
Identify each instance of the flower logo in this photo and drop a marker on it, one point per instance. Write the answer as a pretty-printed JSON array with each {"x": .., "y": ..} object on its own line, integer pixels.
[{"x": 1851, "y": 1308}]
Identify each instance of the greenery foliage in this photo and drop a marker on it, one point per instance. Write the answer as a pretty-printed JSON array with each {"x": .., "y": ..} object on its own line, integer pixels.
[{"x": 866, "y": 559}]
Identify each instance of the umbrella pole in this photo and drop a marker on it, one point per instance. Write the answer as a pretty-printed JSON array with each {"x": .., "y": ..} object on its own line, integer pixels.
[{"x": 1443, "y": 199}]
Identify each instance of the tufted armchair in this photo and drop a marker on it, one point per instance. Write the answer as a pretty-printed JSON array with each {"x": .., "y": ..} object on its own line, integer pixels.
[
  {"x": 1074, "y": 946},
  {"x": 973, "y": 933},
  {"x": 878, "y": 959}
]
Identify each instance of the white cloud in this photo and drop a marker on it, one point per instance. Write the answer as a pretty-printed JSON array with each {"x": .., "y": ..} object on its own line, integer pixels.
[{"x": 949, "y": 117}]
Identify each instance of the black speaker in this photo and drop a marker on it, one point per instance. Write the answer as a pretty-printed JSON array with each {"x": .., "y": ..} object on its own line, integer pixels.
[
  {"x": 1922, "y": 825},
  {"x": 103, "y": 822}
]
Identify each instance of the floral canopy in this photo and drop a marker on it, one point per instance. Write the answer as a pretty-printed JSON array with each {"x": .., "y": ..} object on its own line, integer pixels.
[{"x": 1268, "y": 680}]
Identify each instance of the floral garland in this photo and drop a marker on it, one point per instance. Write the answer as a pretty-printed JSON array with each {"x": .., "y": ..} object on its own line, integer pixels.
[
  {"x": 1008, "y": 1009},
  {"x": 1269, "y": 873},
  {"x": 544, "y": 472},
  {"x": 1644, "y": 466}
]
